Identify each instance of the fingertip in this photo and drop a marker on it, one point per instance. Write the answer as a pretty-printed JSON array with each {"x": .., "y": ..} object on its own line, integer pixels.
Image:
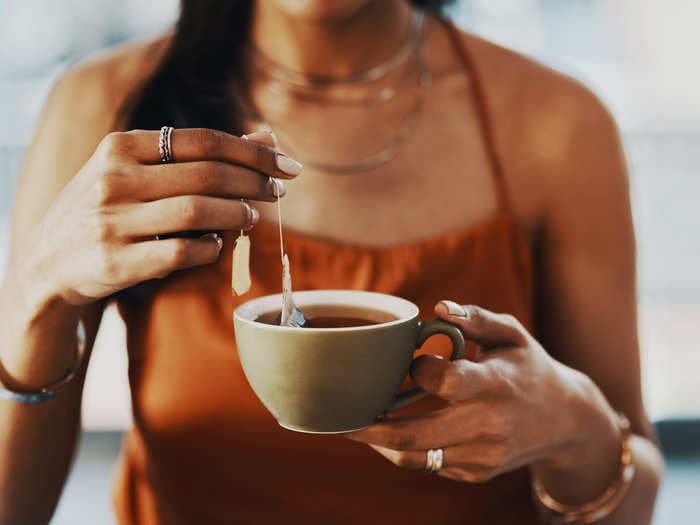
[
  {"x": 427, "y": 358},
  {"x": 425, "y": 363},
  {"x": 441, "y": 310},
  {"x": 287, "y": 165},
  {"x": 262, "y": 136},
  {"x": 447, "y": 308}
]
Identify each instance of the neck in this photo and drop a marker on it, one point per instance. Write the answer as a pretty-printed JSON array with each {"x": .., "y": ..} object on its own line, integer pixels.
[{"x": 336, "y": 47}]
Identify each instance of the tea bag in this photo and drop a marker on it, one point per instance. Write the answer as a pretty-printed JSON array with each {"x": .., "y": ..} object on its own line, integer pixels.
[
  {"x": 288, "y": 306},
  {"x": 240, "y": 272},
  {"x": 290, "y": 314}
]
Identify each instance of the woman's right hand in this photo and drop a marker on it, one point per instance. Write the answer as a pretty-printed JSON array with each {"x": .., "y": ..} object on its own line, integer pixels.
[{"x": 98, "y": 237}]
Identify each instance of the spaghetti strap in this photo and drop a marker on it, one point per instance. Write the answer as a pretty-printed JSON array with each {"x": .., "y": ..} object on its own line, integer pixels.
[{"x": 482, "y": 110}]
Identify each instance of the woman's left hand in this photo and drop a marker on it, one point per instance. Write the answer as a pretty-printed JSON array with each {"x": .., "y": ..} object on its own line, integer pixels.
[{"x": 514, "y": 406}]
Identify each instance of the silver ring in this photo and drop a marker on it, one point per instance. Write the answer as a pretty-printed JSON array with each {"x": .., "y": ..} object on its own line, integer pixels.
[
  {"x": 434, "y": 458},
  {"x": 165, "y": 146}
]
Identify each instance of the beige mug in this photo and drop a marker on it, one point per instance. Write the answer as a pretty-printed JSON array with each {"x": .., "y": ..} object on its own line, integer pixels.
[{"x": 334, "y": 380}]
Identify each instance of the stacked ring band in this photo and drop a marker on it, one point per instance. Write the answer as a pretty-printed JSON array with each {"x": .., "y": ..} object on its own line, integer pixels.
[
  {"x": 165, "y": 147},
  {"x": 434, "y": 459}
]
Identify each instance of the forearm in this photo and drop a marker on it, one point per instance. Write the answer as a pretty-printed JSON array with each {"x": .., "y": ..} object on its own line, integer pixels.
[
  {"x": 36, "y": 440},
  {"x": 589, "y": 467}
]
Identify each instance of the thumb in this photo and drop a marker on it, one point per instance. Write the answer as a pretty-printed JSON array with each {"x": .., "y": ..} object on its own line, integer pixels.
[
  {"x": 451, "y": 380},
  {"x": 488, "y": 329}
]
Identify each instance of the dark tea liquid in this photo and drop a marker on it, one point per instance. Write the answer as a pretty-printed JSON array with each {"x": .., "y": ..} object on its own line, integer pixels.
[{"x": 334, "y": 316}]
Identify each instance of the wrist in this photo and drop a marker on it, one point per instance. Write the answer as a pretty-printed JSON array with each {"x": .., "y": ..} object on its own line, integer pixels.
[
  {"x": 586, "y": 461},
  {"x": 33, "y": 289},
  {"x": 38, "y": 341}
]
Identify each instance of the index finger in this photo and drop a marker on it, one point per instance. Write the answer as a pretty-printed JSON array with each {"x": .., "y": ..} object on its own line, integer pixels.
[
  {"x": 440, "y": 428},
  {"x": 195, "y": 144}
]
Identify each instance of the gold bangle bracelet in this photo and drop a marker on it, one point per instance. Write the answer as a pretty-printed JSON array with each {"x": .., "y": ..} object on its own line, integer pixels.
[{"x": 594, "y": 511}]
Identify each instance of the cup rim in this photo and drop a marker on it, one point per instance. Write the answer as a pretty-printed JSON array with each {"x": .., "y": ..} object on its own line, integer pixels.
[{"x": 404, "y": 310}]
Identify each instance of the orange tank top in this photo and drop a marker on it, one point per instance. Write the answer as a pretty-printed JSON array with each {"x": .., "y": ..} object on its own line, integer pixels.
[{"x": 203, "y": 449}]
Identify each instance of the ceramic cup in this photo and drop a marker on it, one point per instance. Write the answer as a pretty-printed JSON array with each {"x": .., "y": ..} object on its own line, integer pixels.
[{"x": 333, "y": 380}]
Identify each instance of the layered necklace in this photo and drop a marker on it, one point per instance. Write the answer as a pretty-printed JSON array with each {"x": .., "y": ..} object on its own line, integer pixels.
[{"x": 371, "y": 113}]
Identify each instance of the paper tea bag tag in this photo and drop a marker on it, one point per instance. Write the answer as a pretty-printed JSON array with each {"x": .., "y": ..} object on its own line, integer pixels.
[{"x": 240, "y": 278}]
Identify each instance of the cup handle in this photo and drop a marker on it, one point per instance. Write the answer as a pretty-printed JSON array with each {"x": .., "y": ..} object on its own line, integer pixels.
[{"x": 427, "y": 329}]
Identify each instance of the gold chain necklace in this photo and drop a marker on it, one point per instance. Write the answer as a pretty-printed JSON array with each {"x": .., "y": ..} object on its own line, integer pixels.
[{"x": 302, "y": 86}]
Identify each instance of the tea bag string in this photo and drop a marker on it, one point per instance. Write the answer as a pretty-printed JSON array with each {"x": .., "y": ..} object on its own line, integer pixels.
[
  {"x": 279, "y": 220},
  {"x": 245, "y": 203}
]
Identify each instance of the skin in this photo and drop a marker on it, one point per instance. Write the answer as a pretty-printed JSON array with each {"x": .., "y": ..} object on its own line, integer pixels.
[{"x": 89, "y": 204}]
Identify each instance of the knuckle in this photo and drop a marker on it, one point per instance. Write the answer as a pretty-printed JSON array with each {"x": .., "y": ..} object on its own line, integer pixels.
[
  {"x": 497, "y": 380},
  {"x": 179, "y": 253},
  {"x": 260, "y": 154},
  {"x": 189, "y": 210},
  {"x": 509, "y": 319},
  {"x": 106, "y": 185},
  {"x": 115, "y": 144},
  {"x": 494, "y": 456},
  {"x": 496, "y": 429},
  {"x": 513, "y": 322},
  {"x": 401, "y": 459},
  {"x": 450, "y": 382},
  {"x": 501, "y": 384},
  {"x": 110, "y": 268},
  {"x": 474, "y": 313},
  {"x": 211, "y": 141},
  {"x": 210, "y": 177},
  {"x": 402, "y": 441},
  {"x": 105, "y": 229}
]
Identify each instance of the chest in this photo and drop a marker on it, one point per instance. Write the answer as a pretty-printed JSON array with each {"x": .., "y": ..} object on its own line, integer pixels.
[{"x": 439, "y": 181}]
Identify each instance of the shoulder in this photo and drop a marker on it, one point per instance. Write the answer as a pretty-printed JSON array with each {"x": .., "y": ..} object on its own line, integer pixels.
[
  {"x": 82, "y": 108},
  {"x": 94, "y": 90},
  {"x": 552, "y": 132},
  {"x": 534, "y": 96}
]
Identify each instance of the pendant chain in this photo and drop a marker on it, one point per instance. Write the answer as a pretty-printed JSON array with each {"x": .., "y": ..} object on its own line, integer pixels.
[{"x": 415, "y": 45}]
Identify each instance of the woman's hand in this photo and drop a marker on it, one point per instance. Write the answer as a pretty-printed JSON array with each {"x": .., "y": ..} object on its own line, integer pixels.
[
  {"x": 98, "y": 237},
  {"x": 514, "y": 406}
]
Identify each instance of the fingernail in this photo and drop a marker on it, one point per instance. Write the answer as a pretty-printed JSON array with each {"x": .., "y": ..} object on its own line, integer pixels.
[
  {"x": 216, "y": 237},
  {"x": 454, "y": 309},
  {"x": 278, "y": 187},
  {"x": 288, "y": 165}
]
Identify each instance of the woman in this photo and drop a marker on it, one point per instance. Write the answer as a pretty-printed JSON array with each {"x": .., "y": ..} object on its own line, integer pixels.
[{"x": 437, "y": 166}]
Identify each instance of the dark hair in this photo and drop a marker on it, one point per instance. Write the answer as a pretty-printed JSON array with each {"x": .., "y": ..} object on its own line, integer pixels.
[{"x": 190, "y": 87}]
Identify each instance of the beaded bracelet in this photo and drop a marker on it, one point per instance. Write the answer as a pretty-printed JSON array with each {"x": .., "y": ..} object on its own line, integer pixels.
[
  {"x": 48, "y": 392},
  {"x": 559, "y": 513}
]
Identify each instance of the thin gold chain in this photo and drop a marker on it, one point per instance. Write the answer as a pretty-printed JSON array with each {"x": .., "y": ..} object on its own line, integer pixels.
[{"x": 416, "y": 44}]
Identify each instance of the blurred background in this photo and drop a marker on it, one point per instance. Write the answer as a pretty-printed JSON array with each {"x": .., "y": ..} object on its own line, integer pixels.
[{"x": 640, "y": 57}]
